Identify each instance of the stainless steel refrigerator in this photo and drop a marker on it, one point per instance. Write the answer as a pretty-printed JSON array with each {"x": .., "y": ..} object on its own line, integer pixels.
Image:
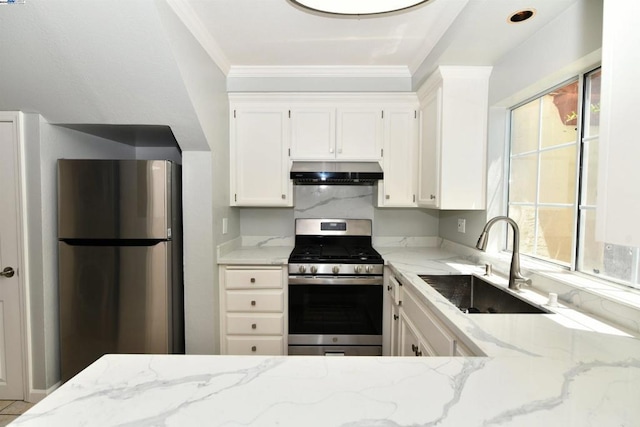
[{"x": 120, "y": 259}]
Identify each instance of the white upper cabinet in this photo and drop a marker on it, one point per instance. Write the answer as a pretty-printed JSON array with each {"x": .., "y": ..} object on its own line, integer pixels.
[
  {"x": 453, "y": 141},
  {"x": 259, "y": 156},
  {"x": 313, "y": 132},
  {"x": 359, "y": 133},
  {"x": 339, "y": 131},
  {"x": 618, "y": 172},
  {"x": 400, "y": 160}
]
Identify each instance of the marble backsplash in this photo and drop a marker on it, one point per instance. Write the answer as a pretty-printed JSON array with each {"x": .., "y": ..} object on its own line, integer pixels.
[{"x": 338, "y": 201}]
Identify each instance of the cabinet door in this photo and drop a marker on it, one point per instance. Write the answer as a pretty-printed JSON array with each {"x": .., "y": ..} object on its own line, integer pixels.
[
  {"x": 259, "y": 157},
  {"x": 395, "y": 330},
  {"x": 409, "y": 343},
  {"x": 429, "y": 152},
  {"x": 313, "y": 133},
  {"x": 359, "y": 133},
  {"x": 398, "y": 189}
]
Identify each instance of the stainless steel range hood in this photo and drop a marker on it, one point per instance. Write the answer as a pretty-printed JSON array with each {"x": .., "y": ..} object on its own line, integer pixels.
[{"x": 336, "y": 173}]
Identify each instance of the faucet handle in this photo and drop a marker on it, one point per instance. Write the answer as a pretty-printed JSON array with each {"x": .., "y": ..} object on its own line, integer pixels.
[{"x": 519, "y": 281}]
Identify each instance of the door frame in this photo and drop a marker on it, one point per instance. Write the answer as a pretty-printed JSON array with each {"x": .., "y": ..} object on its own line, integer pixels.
[{"x": 23, "y": 271}]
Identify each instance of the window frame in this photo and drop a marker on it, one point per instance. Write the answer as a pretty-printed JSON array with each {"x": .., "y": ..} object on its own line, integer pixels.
[{"x": 579, "y": 78}]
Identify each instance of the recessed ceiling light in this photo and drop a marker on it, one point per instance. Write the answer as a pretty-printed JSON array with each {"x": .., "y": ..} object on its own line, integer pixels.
[
  {"x": 357, "y": 7},
  {"x": 521, "y": 15}
]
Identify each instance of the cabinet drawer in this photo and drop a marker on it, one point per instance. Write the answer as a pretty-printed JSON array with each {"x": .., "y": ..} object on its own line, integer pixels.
[
  {"x": 255, "y": 324},
  {"x": 259, "y": 300},
  {"x": 269, "y": 346},
  {"x": 253, "y": 279},
  {"x": 438, "y": 338}
]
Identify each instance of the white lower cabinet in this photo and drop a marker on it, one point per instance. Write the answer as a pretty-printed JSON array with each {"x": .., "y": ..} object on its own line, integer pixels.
[
  {"x": 421, "y": 333},
  {"x": 253, "y": 310}
]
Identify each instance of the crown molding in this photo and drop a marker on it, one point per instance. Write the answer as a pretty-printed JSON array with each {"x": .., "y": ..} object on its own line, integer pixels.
[
  {"x": 193, "y": 23},
  {"x": 390, "y": 71}
]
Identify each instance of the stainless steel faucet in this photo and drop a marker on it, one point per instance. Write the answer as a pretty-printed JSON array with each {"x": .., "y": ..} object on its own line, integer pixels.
[{"x": 516, "y": 279}]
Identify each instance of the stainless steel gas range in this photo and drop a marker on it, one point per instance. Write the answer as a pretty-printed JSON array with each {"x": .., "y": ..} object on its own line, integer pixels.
[{"x": 335, "y": 289}]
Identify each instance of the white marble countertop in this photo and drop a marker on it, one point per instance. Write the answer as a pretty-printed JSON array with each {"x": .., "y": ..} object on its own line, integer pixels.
[
  {"x": 147, "y": 390},
  {"x": 556, "y": 369},
  {"x": 257, "y": 255}
]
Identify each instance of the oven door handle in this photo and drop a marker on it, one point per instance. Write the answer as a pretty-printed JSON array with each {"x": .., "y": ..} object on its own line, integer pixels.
[{"x": 295, "y": 280}]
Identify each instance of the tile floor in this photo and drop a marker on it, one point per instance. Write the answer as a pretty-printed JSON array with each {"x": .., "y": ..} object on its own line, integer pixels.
[{"x": 12, "y": 409}]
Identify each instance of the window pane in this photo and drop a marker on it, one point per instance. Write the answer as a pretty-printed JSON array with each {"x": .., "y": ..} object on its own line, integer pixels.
[
  {"x": 525, "y": 122},
  {"x": 524, "y": 173},
  {"x": 603, "y": 259},
  {"x": 555, "y": 233},
  {"x": 525, "y": 217},
  {"x": 558, "y": 176},
  {"x": 592, "y": 105},
  {"x": 560, "y": 116}
]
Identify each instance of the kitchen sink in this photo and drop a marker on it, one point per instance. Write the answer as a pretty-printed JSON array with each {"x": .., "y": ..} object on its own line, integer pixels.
[{"x": 472, "y": 294}]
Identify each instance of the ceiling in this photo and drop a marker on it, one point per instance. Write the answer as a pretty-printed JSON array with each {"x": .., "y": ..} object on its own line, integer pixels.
[{"x": 277, "y": 33}]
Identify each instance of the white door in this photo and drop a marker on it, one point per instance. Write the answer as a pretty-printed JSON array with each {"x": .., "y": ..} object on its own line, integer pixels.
[
  {"x": 11, "y": 382},
  {"x": 313, "y": 133}
]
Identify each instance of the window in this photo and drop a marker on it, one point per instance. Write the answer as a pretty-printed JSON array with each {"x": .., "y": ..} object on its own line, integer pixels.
[{"x": 553, "y": 182}]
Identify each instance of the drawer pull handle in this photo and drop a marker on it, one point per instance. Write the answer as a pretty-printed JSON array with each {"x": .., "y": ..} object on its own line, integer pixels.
[
  {"x": 253, "y": 326},
  {"x": 254, "y": 348},
  {"x": 253, "y": 303},
  {"x": 253, "y": 280}
]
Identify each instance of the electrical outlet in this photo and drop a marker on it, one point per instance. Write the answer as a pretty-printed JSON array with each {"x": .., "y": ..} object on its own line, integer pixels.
[
  {"x": 462, "y": 223},
  {"x": 225, "y": 225}
]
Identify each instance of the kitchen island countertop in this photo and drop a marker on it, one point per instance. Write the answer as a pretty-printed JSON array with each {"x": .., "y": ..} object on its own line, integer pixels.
[{"x": 140, "y": 390}]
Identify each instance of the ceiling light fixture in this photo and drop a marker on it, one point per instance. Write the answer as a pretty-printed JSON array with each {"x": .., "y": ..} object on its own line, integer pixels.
[{"x": 357, "y": 7}]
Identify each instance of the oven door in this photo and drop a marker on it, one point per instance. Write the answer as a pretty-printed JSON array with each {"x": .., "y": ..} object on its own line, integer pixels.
[{"x": 335, "y": 315}]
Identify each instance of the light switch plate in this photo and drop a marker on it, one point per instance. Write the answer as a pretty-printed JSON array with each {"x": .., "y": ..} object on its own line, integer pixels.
[{"x": 462, "y": 223}]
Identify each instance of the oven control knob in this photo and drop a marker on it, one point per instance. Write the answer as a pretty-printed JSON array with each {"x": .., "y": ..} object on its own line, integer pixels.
[
  {"x": 335, "y": 269},
  {"x": 302, "y": 269},
  {"x": 358, "y": 269},
  {"x": 314, "y": 269},
  {"x": 369, "y": 268}
]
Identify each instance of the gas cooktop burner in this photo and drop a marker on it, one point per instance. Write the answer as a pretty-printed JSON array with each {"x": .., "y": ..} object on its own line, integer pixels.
[{"x": 336, "y": 247}]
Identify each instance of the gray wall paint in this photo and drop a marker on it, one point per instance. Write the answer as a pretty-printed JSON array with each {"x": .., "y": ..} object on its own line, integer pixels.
[
  {"x": 319, "y": 84},
  {"x": 475, "y": 220}
]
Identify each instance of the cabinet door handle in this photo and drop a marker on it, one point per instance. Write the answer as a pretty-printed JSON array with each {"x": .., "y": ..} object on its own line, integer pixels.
[
  {"x": 388, "y": 287},
  {"x": 254, "y": 348},
  {"x": 253, "y": 280},
  {"x": 284, "y": 197},
  {"x": 253, "y": 303},
  {"x": 414, "y": 348},
  {"x": 253, "y": 326},
  {"x": 387, "y": 197},
  {"x": 395, "y": 317},
  {"x": 418, "y": 353},
  {"x": 432, "y": 197}
]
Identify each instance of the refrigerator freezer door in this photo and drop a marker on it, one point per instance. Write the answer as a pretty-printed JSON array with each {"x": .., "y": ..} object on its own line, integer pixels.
[
  {"x": 114, "y": 299},
  {"x": 114, "y": 199}
]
